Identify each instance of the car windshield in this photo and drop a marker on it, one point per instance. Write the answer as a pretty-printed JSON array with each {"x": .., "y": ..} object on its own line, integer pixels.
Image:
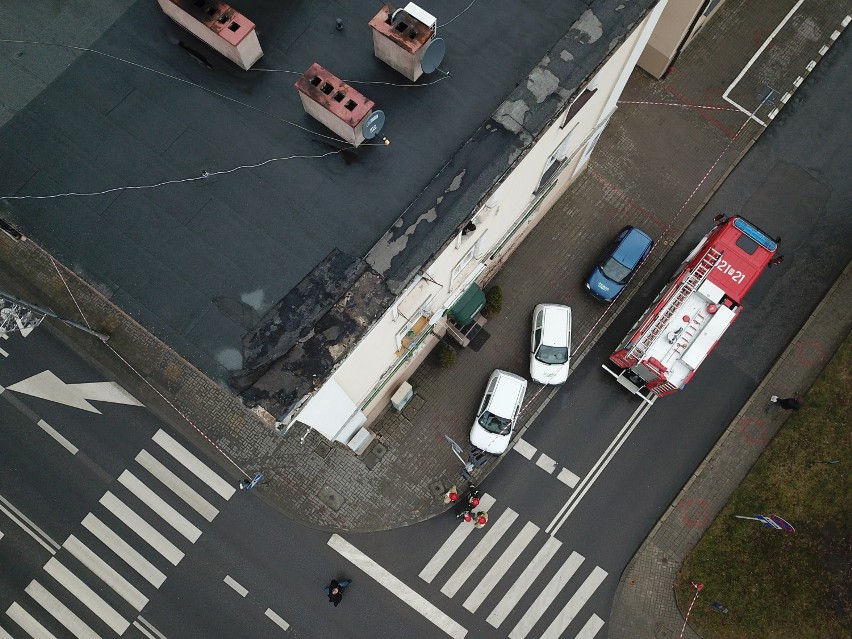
[
  {"x": 552, "y": 354},
  {"x": 615, "y": 271},
  {"x": 494, "y": 424}
]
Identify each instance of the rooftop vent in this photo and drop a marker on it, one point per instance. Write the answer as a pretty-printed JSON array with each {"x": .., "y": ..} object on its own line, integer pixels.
[
  {"x": 405, "y": 39},
  {"x": 217, "y": 24},
  {"x": 338, "y": 106}
]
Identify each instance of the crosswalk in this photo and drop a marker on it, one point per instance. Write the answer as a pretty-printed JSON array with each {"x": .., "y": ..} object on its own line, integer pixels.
[
  {"x": 99, "y": 580},
  {"x": 507, "y": 541}
]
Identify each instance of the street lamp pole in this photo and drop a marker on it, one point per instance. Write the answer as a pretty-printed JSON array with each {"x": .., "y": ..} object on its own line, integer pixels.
[{"x": 16, "y": 314}]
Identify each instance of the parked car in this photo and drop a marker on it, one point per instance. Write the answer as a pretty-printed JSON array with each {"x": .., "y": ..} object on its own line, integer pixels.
[
  {"x": 550, "y": 344},
  {"x": 619, "y": 263},
  {"x": 498, "y": 412}
]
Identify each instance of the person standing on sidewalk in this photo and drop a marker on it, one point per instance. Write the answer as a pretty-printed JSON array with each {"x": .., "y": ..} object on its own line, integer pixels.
[{"x": 335, "y": 590}]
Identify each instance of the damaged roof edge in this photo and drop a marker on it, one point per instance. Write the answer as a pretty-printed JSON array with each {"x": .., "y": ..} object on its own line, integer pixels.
[
  {"x": 398, "y": 276},
  {"x": 285, "y": 386}
]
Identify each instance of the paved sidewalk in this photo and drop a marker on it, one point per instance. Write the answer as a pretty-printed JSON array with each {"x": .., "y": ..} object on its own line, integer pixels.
[
  {"x": 680, "y": 126},
  {"x": 645, "y": 605}
]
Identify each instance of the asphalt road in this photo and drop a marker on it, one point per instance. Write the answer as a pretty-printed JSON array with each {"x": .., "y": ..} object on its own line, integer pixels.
[
  {"x": 283, "y": 566},
  {"x": 794, "y": 183}
]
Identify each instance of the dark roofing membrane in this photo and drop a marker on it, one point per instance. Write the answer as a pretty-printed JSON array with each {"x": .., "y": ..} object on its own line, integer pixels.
[{"x": 264, "y": 277}]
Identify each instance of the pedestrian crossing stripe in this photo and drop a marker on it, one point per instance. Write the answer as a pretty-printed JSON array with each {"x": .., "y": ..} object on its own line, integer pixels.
[
  {"x": 62, "y": 613},
  {"x": 89, "y": 597},
  {"x": 498, "y": 569},
  {"x": 29, "y": 623},
  {"x": 87, "y": 587},
  {"x": 530, "y": 573},
  {"x": 546, "y": 596}
]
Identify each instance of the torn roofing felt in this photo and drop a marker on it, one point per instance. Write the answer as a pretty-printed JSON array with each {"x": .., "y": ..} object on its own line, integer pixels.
[{"x": 298, "y": 345}]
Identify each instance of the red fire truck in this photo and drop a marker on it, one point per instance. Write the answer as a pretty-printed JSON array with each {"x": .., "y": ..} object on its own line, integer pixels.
[{"x": 667, "y": 345}]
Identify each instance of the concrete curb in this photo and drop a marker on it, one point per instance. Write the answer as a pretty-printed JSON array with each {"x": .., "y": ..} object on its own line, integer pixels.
[{"x": 645, "y": 566}]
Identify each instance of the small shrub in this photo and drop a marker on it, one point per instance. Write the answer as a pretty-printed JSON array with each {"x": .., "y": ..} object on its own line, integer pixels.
[
  {"x": 493, "y": 301},
  {"x": 446, "y": 356}
]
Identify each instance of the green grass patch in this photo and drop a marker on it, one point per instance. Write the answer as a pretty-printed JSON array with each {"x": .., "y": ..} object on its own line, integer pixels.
[{"x": 774, "y": 583}]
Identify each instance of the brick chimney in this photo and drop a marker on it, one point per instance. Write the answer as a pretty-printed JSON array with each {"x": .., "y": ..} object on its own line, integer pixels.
[
  {"x": 337, "y": 105},
  {"x": 217, "y": 24},
  {"x": 402, "y": 38}
]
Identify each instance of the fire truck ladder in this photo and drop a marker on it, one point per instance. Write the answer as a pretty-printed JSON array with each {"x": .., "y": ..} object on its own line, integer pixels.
[{"x": 692, "y": 282}]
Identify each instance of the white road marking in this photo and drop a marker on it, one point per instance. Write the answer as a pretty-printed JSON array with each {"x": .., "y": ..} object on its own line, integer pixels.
[
  {"x": 590, "y": 629},
  {"x": 568, "y": 478},
  {"x": 89, "y": 597},
  {"x": 4, "y": 634},
  {"x": 28, "y": 526},
  {"x": 159, "y": 506},
  {"x": 124, "y": 550},
  {"x": 242, "y": 592},
  {"x": 752, "y": 61},
  {"x": 26, "y": 621},
  {"x": 59, "y": 611},
  {"x": 4, "y": 353},
  {"x": 525, "y": 449},
  {"x": 522, "y": 584},
  {"x": 177, "y": 485},
  {"x": 440, "y": 558},
  {"x": 546, "y": 597},
  {"x": 546, "y": 463},
  {"x": 193, "y": 464},
  {"x": 147, "y": 629},
  {"x": 276, "y": 619},
  {"x": 142, "y": 528},
  {"x": 142, "y": 629},
  {"x": 47, "y": 428},
  {"x": 499, "y": 567},
  {"x": 397, "y": 587},
  {"x": 492, "y": 535},
  {"x": 577, "y": 601},
  {"x": 598, "y": 468},
  {"x": 105, "y": 572},
  {"x": 48, "y": 386}
]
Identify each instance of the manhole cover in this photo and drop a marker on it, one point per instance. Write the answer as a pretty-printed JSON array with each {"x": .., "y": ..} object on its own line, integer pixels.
[
  {"x": 331, "y": 498},
  {"x": 370, "y": 460},
  {"x": 322, "y": 449},
  {"x": 437, "y": 489}
]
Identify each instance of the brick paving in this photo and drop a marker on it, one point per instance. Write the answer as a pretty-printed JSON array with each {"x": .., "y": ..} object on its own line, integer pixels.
[{"x": 691, "y": 150}]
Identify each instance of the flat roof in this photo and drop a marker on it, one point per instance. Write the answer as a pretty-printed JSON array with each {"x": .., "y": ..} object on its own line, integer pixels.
[{"x": 211, "y": 265}]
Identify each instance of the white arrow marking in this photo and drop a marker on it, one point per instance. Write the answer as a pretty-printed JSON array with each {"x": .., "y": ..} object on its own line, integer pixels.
[{"x": 48, "y": 386}]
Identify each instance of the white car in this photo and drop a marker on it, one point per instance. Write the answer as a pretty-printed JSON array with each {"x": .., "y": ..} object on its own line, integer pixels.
[
  {"x": 550, "y": 344},
  {"x": 498, "y": 412}
]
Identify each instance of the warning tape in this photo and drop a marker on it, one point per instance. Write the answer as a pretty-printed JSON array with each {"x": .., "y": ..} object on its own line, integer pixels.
[{"x": 679, "y": 104}]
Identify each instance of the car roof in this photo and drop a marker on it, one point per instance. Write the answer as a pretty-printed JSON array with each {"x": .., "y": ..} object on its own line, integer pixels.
[
  {"x": 632, "y": 248},
  {"x": 505, "y": 397},
  {"x": 557, "y": 320}
]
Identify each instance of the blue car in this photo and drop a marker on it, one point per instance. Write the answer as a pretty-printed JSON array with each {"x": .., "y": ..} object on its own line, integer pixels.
[{"x": 621, "y": 260}]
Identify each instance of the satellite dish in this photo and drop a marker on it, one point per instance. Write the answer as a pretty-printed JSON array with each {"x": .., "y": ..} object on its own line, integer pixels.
[
  {"x": 434, "y": 55},
  {"x": 373, "y": 124}
]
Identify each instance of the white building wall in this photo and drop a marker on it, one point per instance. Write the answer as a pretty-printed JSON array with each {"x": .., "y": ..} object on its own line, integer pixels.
[{"x": 376, "y": 366}]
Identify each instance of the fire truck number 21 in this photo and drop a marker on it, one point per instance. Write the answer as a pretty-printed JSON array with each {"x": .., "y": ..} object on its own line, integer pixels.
[{"x": 727, "y": 269}]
